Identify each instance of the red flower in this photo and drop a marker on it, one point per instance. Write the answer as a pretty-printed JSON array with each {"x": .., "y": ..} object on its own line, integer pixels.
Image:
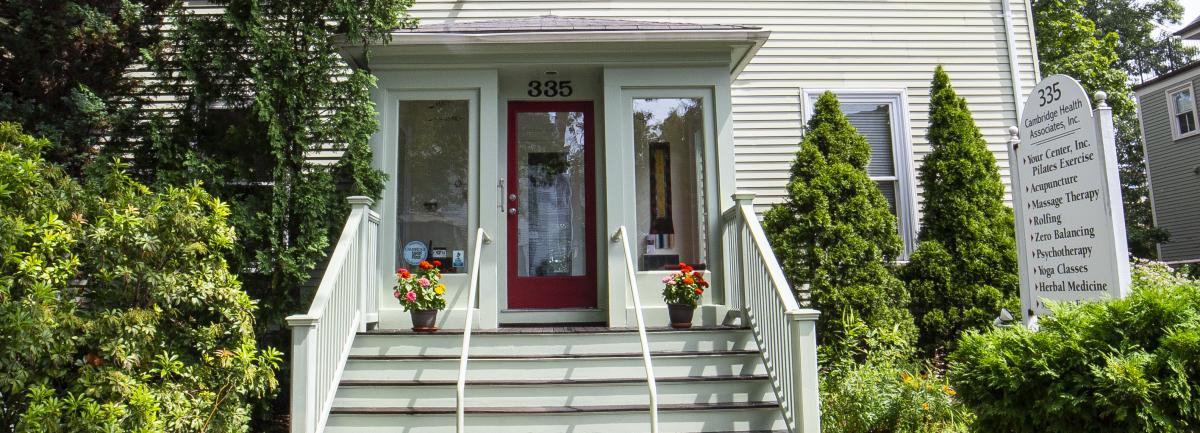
[
  {"x": 437, "y": 264},
  {"x": 405, "y": 274},
  {"x": 703, "y": 283},
  {"x": 699, "y": 291}
]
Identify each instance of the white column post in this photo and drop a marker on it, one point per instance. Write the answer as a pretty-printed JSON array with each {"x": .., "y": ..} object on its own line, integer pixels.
[
  {"x": 1108, "y": 147},
  {"x": 806, "y": 410},
  {"x": 741, "y": 200},
  {"x": 304, "y": 381},
  {"x": 362, "y": 272}
]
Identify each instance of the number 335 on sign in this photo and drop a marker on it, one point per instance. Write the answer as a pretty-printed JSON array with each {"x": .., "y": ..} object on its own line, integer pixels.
[{"x": 550, "y": 88}]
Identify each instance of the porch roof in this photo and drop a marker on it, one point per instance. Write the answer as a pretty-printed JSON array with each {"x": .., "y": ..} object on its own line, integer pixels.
[
  {"x": 558, "y": 34},
  {"x": 555, "y": 23}
]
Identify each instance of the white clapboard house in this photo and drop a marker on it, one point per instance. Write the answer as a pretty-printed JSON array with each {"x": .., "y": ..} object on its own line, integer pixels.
[{"x": 561, "y": 157}]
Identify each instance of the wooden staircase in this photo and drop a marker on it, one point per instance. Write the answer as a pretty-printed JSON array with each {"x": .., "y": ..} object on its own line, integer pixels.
[{"x": 575, "y": 379}]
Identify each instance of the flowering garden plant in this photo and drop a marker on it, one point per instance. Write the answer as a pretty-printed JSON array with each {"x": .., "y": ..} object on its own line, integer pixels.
[
  {"x": 421, "y": 290},
  {"x": 684, "y": 287}
]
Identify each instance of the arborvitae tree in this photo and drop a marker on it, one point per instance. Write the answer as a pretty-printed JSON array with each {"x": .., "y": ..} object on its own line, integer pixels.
[
  {"x": 965, "y": 268},
  {"x": 834, "y": 230}
]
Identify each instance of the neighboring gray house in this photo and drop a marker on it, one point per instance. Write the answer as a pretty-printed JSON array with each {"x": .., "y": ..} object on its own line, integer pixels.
[{"x": 1171, "y": 136}]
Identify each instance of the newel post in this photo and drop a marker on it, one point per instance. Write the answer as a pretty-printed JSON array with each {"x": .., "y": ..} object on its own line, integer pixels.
[
  {"x": 806, "y": 410},
  {"x": 363, "y": 271},
  {"x": 304, "y": 380},
  {"x": 741, "y": 200}
]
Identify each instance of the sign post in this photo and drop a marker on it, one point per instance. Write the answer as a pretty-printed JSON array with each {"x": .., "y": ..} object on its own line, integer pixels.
[{"x": 1070, "y": 225}]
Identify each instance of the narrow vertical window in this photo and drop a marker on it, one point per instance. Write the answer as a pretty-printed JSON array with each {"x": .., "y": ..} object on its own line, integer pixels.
[
  {"x": 1183, "y": 112},
  {"x": 668, "y": 139},
  {"x": 433, "y": 156}
]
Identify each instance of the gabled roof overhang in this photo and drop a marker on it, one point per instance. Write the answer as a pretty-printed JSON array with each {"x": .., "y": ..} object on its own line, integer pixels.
[{"x": 549, "y": 36}]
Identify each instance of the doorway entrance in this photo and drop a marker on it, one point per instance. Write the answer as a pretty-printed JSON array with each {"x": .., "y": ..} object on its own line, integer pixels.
[{"x": 551, "y": 205}]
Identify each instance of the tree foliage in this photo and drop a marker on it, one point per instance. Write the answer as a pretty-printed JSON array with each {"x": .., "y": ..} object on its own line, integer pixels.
[
  {"x": 117, "y": 309},
  {"x": 62, "y": 66},
  {"x": 1113, "y": 366},
  {"x": 834, "y": 230},
  {"x": 965, "y": 268},
  {"x": 1072, "y": 44},
  {"x": 264, "y": 89}
]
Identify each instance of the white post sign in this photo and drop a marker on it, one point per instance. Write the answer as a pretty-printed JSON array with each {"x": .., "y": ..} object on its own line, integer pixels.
[{"x": 1066, "y": 193}]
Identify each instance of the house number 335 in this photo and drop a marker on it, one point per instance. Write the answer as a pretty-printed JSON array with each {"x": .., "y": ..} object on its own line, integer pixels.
[{"x": 550, "y": 88}]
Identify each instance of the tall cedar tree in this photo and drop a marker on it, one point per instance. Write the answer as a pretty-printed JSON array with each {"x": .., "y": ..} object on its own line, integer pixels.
[
  {"x": 965, "y": 268},
  {"x": 834, "y": 230},
  {"x": 263, "y": 90},
  {"x": 63, "y": 70},
  {"x": 1070, "y": 43}
]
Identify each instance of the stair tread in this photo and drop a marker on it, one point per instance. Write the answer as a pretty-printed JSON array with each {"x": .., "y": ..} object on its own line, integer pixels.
[
  {"x": 552, "y": 409},
  {"x": 552, "y": 330},
  {"x": 676, "y": 379},
  {"x": 682, "y": 353}
]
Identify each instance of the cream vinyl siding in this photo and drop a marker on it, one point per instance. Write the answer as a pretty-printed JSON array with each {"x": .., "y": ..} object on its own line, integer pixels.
[{"x": 826, "y": 44}]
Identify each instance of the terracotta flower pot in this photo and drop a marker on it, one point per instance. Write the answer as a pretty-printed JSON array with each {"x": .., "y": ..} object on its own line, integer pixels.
[
  {"x": 681, "y": 315},
  {"x": 424, "y": 320}
]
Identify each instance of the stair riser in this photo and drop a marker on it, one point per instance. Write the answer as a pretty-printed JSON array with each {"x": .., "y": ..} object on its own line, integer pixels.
[
  {"x": 550, "y": 344},
  {"x": 552, "y": 369},
  {"x": 555, "y": 395},
  {"x": 612, "y": 422}
]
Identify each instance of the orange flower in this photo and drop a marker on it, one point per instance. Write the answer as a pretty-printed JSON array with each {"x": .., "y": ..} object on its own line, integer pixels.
[
  {"x": 699, "y": 291},
  {"x": 688, "y": 280},
  {"x": 425, "y": 265}
]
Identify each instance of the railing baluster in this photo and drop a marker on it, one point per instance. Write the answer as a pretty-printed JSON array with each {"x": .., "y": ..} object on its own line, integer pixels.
[
  {"x": 321, "y": 338},
  {"x": 784, "y": 332}
]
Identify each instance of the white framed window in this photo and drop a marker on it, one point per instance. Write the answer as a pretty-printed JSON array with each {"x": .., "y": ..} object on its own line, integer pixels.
[
  {"x": 882, "y": 117},
  {"x": 1181, "y": 102}
]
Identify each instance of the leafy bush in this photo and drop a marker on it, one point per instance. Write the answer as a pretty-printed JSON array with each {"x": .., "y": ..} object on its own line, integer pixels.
[
  {"x": 965, "y": 268},
  {"x": 886, "y": 392},
  {"x": 834, "y": 230},
  {"x": 1114, "y": 366},
  {"x": 117, "y": 310}
]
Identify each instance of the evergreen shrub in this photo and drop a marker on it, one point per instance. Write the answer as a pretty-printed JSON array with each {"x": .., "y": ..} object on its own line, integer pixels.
[
  {"x": 965, "y": 268},
  {"x": 834, "y": 230},
  {"x": 1112, "y": 366}
]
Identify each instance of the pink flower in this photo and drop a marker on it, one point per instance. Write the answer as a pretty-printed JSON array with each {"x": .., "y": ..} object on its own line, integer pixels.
[
  {"x": 396, "y": 294},
  {"x": 411, "y": 296},
  {"x": 666, "y": 279},
  {"x": 424, "y": 282}
]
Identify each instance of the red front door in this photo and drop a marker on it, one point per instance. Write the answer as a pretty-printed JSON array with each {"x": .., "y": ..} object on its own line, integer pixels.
[{"x": 551, "y": 205}]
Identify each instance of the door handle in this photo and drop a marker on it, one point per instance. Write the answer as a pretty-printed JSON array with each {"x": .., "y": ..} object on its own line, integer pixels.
[{"x": 512, "y": 211}]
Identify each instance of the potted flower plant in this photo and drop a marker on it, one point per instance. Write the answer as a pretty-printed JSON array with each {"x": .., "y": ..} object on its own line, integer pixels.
[
  {"x": 682, "y": 292},
  {"x": 422, "y": 294}
]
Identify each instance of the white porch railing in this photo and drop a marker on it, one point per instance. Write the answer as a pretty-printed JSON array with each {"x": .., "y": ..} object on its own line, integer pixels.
[
  {"x": 786, "y": 334},
  {"x": 481, "y": 238},
  {"x": 342, "y": 306},
  {"x": 622, "y": 237}
]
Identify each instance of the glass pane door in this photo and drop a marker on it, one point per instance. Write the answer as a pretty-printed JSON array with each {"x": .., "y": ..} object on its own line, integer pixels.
[{"x": 551, "y": 218}]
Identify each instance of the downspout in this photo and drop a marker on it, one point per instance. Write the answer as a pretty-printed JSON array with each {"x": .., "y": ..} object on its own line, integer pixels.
[{"x": 1014, "y": 70}]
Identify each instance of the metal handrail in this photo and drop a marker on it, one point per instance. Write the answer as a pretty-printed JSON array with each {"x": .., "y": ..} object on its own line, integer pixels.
[
  {"x": 481, "y": 238},
  {"x": 622, "y": 237}
]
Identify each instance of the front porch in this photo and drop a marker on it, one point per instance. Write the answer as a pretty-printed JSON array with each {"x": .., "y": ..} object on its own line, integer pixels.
[{"x": 558, "y": 169}]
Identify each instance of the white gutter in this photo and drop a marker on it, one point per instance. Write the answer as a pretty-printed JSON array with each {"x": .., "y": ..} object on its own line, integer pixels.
[{"x": 1014, "y": 70}]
